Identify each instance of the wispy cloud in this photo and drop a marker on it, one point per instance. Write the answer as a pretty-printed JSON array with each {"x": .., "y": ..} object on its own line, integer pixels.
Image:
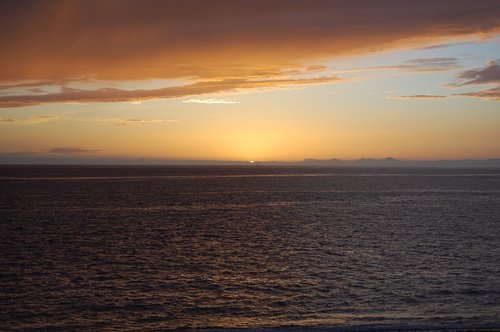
[
  {"x": 122, "y": 122},
  {"x": 413, "y": 66},
  {"x": 418, "y": 97},
  {"x": 71, "y": 150},
  {"x": 420, "y": 65},
  {"x": 430, "y": 64},
  {"x": 40, "y": 119},
  {"x": 7, "y": 120},
  {"x": 36, "y": 84},
  {"x": 29, "y": 121},
  {"x": 445, "y": 45},
  {"x": 492, "y": 94},
  {"x": 70, "y": 95},
  {"x": 212, "y": 101},
  {"x": 487, "y": 75},
  {"x": 490, "y": 74}
]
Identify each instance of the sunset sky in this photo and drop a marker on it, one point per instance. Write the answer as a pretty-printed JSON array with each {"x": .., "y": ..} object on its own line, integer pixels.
[{"x": 249, "y": 80}]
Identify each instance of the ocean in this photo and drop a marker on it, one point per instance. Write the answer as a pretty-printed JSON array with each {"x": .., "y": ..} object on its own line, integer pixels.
[{"x": 151, "y": 248}]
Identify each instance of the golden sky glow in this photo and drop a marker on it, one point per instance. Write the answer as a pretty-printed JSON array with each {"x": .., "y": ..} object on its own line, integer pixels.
[{"x": 249, "y": 80}]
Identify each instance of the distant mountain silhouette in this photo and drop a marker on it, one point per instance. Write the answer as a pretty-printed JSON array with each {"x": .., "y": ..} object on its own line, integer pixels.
[{"x": 393, "y": 162}]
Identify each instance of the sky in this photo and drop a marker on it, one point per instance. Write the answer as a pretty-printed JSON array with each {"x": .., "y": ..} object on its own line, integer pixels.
[{"x": 249, "y": 80}]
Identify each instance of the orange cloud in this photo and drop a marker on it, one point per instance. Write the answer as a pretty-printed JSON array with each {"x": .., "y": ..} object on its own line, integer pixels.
[
  {"x": 220, "y": 45},
  {"x": 69, "y": 95},
  {"x": 418, "y": 97},
  {"x": 128, "y": 39}
]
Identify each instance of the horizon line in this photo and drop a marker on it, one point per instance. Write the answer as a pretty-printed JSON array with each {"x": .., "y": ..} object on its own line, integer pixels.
[{"x": 31, "y": 160}]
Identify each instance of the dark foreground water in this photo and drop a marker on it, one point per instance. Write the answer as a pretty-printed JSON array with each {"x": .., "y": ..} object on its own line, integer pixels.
[{"x": 154, "y": 248}]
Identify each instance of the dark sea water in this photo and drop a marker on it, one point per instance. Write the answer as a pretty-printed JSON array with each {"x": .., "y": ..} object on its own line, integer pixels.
[{"x": 158, "y": 248}]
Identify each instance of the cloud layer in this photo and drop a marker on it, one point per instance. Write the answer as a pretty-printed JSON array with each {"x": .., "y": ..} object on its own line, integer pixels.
[
  {"x": 428, "y": 65},
  {"x": 211, "y": 101},
  {"x": 493, "y": 94},
  {"x": 487, "y": 75},
  {"x": 69, "y": 95},
  {"x": 219, "y": 45},
  {"x": 128, "y": 39},
  {"x": 490, "y": 74},
  {"x": 418, "y": 97},
  {"x": 123, "y": 122},
  {"x": 71, "y": 150},
  {"x": 29, "y": 121}
]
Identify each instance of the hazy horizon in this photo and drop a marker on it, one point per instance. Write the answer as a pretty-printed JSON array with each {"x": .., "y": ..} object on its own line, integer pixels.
[{"x": 9, "y": 159}]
